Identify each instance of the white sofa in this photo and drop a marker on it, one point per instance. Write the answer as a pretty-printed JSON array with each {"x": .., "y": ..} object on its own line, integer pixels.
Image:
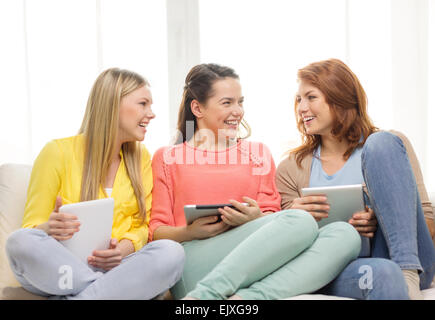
[{"x": 14, "y": 179}]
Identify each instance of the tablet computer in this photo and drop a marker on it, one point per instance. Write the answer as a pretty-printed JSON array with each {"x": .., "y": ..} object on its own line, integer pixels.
[
  {"x": 343, "y": 201},
  {"x": 96, "y": 218},
  {"x": 195, "y": 211}
]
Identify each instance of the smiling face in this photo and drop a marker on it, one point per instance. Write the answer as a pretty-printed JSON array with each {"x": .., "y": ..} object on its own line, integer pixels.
[
  {"x": 135, "y": 114},
  {"x": 313, "y": 110},
  {"x": 223, "y": 111}
]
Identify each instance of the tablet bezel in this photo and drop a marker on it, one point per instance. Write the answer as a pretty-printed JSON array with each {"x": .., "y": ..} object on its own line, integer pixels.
[
  {"x": 193, "y": 211},
  {"x": 96, "y": 218},
  {"x": 344, "y": 201}
]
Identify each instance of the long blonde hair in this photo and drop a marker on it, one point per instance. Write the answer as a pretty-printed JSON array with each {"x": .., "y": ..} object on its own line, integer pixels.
[{"x": 100, "y": 128}]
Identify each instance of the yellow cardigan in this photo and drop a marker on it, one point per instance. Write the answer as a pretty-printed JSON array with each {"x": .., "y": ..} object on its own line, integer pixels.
[{"x": 58, "y": 171}]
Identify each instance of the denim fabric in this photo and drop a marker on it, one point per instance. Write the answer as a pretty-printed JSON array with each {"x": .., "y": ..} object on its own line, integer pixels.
[
  {"x": 40, "y": 263},
  {"x": 369, "y": 279},
  {"x": 402, "y": 235}
]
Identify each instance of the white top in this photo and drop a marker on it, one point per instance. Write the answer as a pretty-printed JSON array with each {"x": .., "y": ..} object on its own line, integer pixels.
[{"x": 109, "y": 191}]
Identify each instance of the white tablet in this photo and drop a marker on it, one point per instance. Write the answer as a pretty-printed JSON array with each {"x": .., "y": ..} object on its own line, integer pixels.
[
  {"x": 96, "y": 218},
  {"x": 193, "y": 212},
  {"x": 343, "y": 201}
]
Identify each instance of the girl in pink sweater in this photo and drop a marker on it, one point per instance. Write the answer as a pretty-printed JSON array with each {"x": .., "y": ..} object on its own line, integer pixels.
[{"x": 250, "y": 252}]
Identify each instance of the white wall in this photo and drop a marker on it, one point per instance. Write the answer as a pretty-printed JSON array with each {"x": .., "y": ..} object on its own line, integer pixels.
[
  {"x": 430, "y": 135},
  {"x": 52, "y": 52},
  {"x": 410, "y": 72}
]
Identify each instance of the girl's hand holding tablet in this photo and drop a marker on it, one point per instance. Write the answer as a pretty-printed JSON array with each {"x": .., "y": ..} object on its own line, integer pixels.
[
  {"x": 107, "y": 259},
  {"x": 61, "y": 226},
  {"x": 206, "y": 227},
  {"x": 243, "y": 213},
  {"x": 365, "y": 222},
  {"x": 316, "y": 205}
]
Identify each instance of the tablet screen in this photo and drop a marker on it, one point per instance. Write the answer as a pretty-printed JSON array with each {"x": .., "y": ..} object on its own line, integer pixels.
[
  {"x": 193, "y": 212},
  {"x": 343, "y": 201}
]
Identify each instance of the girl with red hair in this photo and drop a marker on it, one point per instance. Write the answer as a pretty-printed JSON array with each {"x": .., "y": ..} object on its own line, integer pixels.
[{"x": 341, "y": 146}]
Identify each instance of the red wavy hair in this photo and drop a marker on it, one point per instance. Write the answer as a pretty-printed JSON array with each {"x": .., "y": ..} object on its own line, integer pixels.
[{"x": 347, "y": 101}]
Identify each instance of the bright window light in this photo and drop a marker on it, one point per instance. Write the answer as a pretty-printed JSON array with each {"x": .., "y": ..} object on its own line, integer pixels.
[
  {"x": 14, "y": 117},
  {"x": 370, "y": 55},
  {"x": 430, "y": 176},
  {"x": 266, "y": 43},
  {"x": 134, "y": 37},
  {"x": 62, "y": 58},
  {"x": 54, "y": 50},
  {"x": 58, "y": 48}
]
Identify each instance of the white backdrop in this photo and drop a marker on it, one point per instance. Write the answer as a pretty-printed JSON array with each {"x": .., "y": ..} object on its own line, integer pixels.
[{"x": 52, "y": 51}]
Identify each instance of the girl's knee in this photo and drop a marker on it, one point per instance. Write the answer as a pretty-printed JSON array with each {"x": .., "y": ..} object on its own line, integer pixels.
[
  {"x": 303, "y": 219},
  {"x": 387, "y": 270},
  {"x": 380, "y": 142},
  {"x": 345, "y": 233},
  {"x": 20, "y": 241},
  {"x": 381, "y": 138},
  {"x": 172, "y": 248},
  {"x": 173, "y": 252},
  {"x": 388, "y": 279}
]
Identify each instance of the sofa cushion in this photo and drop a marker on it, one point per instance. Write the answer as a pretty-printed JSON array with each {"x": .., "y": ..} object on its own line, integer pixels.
[{"x": 14, "y": 179}]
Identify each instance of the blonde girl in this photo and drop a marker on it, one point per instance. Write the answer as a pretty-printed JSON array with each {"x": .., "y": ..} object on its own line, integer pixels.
[{"x": 106, "y": 159}]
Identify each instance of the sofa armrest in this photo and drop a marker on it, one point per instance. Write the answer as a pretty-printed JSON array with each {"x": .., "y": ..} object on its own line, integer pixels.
[{"x": 14, "y": 179}]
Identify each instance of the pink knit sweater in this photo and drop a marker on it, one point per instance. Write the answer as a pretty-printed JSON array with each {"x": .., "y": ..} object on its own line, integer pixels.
[{"x": 185, "y": 175}]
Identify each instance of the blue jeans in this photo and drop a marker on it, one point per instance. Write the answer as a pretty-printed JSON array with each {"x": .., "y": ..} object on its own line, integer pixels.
[
  {"x": 42, "y": 264},
  {"x": 402, "y": 240}
]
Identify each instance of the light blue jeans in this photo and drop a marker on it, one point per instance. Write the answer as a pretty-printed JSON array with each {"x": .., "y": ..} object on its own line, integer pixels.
[
  {"x": 42, "y": 264},
  {"x": 402, "y": 240}
]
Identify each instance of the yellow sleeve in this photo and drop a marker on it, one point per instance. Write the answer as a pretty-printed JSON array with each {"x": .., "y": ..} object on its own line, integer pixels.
[
  {"x": 138, "y": 233},
  {"x": 44, "y": 185}
]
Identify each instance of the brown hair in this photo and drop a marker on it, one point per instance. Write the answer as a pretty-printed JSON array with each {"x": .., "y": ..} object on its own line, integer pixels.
[
  {"x": 347, "y": 101},
  {"x": 198, "y": 86}
]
